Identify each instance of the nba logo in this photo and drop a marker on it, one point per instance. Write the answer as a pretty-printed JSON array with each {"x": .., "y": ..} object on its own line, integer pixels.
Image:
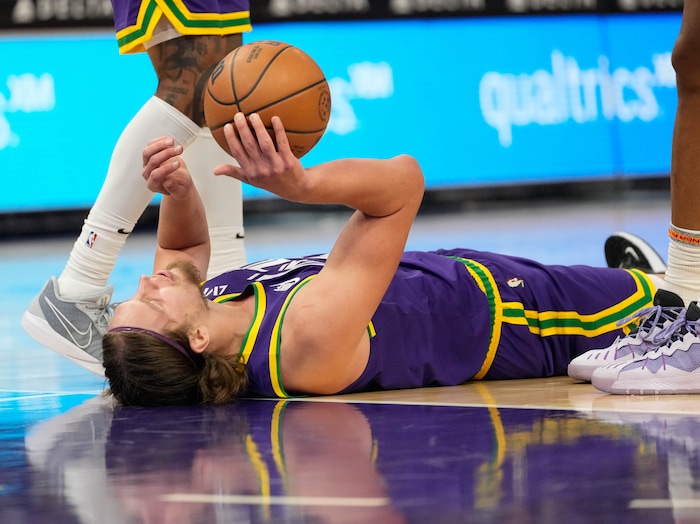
[
  {"x": 516, "y": 282},
  {"x": 92, "y": 237}
]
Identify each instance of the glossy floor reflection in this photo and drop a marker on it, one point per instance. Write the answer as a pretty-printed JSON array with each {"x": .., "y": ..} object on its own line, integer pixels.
[
  {"x": 296, "y": 461},
  {"x": 528, "y": 451}
]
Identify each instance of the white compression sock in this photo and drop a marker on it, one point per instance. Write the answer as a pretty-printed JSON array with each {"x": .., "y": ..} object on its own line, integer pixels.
[
  {"x": 222, "y": 200},
  {"x": 122, "y": 199},
  {"x": 683, "y": 273}
]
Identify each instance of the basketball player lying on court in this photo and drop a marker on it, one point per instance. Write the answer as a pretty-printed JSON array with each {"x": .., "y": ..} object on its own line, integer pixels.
[{"x": 366, "y": 316}]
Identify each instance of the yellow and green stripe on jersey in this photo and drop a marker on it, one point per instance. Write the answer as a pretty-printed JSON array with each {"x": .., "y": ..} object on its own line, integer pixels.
[{"x": 141, "y": 25}]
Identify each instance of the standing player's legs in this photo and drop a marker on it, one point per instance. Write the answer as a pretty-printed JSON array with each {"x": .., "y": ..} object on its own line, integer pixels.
[
  {"x": 675, "y": 366},
  {"x": 71, "y": 313},
  {"x": 222, "y": 200},
  {"x": 221, "y": 196},
  {"x": 683, "y": 273}
]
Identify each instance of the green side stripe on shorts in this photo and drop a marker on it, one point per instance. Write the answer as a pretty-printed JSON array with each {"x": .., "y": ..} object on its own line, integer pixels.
[
  {"x": 624, "y": 310},
  {"x": 219, "y": 22},
  {"x": 483, "y": 278},
  {"x": 139, "y": 32},
  {"x": 216, "y": 23},
  {"x": 488, "y": 286}
]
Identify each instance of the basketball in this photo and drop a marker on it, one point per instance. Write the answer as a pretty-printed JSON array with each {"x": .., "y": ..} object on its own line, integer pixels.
[{"x": 272, "y": 79}]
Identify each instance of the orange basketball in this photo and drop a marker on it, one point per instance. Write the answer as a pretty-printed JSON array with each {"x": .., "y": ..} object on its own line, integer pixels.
[{"x": 272, "y": 79}]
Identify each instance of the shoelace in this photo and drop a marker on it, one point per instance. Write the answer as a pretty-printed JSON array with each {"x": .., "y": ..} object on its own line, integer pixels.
[
  {"x": 686, "y": 326},
  {"x": 651, "y": 317},
  {"x": 676, "y": 333},
  {"x": 693, "y": 326},
  {"x": 101, "y": 314},
  {"x": 667, "y": 334}
]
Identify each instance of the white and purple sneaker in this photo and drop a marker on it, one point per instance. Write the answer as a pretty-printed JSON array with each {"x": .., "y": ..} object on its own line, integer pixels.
[
  {"x": 655, "y": 325},
  {"x": 672, "y": 369}
]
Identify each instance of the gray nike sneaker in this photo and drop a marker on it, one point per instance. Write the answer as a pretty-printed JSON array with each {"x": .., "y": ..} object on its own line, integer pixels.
[{"x": 73, "y": 329}]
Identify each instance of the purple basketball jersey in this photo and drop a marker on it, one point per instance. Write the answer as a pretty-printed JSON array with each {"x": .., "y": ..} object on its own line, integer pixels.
[{"x": 450, "y": 316}]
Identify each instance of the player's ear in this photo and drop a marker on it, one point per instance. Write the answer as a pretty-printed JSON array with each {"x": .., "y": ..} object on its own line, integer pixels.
[{"x": 199, "y": 339}]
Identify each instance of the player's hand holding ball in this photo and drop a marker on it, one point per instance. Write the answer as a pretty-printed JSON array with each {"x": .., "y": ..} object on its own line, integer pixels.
[
  {"x": 270, "y": 78},
  {"x": 265, "y": 163}
]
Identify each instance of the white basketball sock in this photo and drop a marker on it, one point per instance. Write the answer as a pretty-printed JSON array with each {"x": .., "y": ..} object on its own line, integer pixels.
[
  {"x": 222, "y": 200},
  {"x": 122, "y": 199},
  {"x": 683, "y": 273}
]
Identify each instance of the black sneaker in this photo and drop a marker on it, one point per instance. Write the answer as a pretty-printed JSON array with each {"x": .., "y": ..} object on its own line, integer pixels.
[{"x": 628, "y": 251}]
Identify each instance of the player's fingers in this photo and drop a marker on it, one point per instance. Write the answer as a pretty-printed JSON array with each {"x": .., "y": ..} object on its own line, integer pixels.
[
  {"x": 177, "y": 184},
  {"x": 281, "y": 139},
  {"x": 157, "y": 154},
  {"x": 155, "y": 146},
  {"x": 159, "y": 176},
  {"x": 265, "y": 142},
  {"x": 230, "y": 171},
  {"x": 246, "y": 137},
  {"x": 159, "y": 139},
  {"x": 171, "y": 178},
  {"x": 234, "y": 142},
  {"x": 160, "y": 166}
]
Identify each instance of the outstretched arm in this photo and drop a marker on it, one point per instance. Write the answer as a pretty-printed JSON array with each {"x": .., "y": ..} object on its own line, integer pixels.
[
  {"x": 353, "y": 182},
  {"x": 182, "y": 223},
  {"x": 324, "y": 346}
]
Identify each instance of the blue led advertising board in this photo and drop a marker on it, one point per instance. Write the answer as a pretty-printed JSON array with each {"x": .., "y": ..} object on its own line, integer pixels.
[{"x": 479, "y": 101}]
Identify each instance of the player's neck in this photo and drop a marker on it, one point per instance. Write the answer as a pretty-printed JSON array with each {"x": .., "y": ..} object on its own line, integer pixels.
[{"x": 230, "y": 324}]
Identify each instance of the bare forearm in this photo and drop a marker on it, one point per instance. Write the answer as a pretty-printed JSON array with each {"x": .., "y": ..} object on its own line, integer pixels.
[
  {"x": 182, "y": 223},
  {"x": 375, "y": 187}
]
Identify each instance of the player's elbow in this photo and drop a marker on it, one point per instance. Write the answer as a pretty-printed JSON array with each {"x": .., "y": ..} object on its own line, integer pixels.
[{"x": 412, "y": 179}]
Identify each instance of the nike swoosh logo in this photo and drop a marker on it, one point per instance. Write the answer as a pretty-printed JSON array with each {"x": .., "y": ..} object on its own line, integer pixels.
[
  {"x": 240, "y": 235},
  {"x": 71, "y": 328},
  {"x": 631, "y": 252}
]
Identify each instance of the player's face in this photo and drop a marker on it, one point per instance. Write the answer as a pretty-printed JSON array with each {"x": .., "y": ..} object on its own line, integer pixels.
[{"x": 164, "y": 300}]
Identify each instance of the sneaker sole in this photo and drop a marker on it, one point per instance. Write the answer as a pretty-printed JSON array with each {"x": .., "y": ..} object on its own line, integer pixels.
[
  {"x": 582, "y": 373},
  {"x": 584, "y": 369},
  {"x": 40, "y": 330},
  {"x": 585, "y": 373},
  {"x": 686, "y": 385}
]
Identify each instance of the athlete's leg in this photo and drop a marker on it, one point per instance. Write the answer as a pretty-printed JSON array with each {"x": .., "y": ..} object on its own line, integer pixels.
[
  {"x": 683, "y": 274},
  {"x": 69, "y": 315},
  {"x": 675, "y": 366}
]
